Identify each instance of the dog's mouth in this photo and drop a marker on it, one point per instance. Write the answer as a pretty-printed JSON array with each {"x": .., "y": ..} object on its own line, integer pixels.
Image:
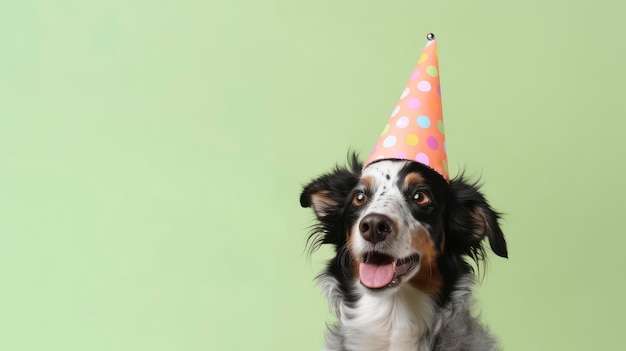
[{"x": 379, "y": 271}]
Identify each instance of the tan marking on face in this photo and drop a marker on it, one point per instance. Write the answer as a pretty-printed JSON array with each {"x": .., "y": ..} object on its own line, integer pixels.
[
  {"x": 413, "y": 178},
  {"x": 368, "y": 181},
  {"x": 428, "y": 279}
]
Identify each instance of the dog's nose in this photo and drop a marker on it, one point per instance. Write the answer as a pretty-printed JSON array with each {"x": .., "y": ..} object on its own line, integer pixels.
[{"x": 375, "y": 227}]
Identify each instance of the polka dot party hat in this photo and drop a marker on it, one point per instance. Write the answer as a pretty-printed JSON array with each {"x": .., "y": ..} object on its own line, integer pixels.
[{"x": 415, "y": 129}]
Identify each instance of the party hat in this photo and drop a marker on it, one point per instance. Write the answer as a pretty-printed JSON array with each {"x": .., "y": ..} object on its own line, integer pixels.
[{"x": 415, "y": 129}]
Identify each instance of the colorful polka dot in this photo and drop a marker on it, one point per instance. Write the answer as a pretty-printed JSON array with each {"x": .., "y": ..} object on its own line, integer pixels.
[
  {"x": 389, "y": 141},
  {"x": 440, "y": 126},
  {"x": 423, "y": 121},
  {"x": 444, "y": 163},
  {"x": 422, "y": 158},
  {"x": 405, "y": 92},
  {"x": 413, "y": 103},
  {"x": 432, "y": 143},
  {"x": 445, "y": 147},
  {"x": 415, "y": 74},
  {"x": 432, "y": 71},
  {"x": 424, "y": 86},
  {"x": 385, "y": 130},
  {"x": 395, "y": 111},
  {"x": 402, "y": 122},
  {"x": 400, "y": 155},
  {"x": 423, "y": 58},
  {"x": 412, "y": 140}
]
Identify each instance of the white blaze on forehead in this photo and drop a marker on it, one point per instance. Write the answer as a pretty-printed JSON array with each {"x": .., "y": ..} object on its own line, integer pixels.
[
  {"x": 382, "y": 168},
  {"x": 385, "y": 197}
]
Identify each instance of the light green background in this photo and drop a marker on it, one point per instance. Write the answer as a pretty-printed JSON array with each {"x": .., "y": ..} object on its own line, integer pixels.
[{"x": 152, "y": 153}]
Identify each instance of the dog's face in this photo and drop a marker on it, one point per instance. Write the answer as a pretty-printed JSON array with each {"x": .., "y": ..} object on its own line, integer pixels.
[
  {"x": 397, "y": 227},
  {"x": 398, "y": 222}
]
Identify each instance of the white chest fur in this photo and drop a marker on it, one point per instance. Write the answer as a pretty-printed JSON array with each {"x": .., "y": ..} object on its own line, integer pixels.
[{"x": 389, "y": 322}]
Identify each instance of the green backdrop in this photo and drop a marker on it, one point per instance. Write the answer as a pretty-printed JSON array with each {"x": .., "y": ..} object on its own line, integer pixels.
[{"x": 152, "y": 153}]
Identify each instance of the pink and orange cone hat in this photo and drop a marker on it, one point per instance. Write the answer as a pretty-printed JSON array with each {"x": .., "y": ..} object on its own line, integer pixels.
[{"x": 415, "y": 129}]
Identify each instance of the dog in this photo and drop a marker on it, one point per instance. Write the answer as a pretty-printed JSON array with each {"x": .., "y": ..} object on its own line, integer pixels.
[{"x": 403, "y": 236}]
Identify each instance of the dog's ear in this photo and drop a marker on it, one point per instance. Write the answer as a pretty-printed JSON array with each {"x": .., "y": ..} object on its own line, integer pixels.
[
  {"x": 327, "y": 194},
  {"x": 470, "y": 219}
]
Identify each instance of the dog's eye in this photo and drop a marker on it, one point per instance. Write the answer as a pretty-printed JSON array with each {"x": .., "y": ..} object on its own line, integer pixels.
[
  {"x": 421, "y": 198},
  {"x": 359, "y": 199}
]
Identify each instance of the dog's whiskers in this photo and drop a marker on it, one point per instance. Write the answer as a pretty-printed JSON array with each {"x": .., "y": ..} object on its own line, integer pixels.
[{"x": 344, "y": 259}]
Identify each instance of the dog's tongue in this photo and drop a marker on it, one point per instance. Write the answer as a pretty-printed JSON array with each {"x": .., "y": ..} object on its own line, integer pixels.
[{"x": 376, "y": 273}]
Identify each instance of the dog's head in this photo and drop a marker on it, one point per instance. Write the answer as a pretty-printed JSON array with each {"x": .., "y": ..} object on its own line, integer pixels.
[{"x": 398, "y": 222}]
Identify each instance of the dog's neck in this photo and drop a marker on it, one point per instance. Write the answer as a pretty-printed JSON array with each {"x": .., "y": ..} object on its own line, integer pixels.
[
  {"x": 404, "y": 320},
  {"x": 395, "y": 321}
]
